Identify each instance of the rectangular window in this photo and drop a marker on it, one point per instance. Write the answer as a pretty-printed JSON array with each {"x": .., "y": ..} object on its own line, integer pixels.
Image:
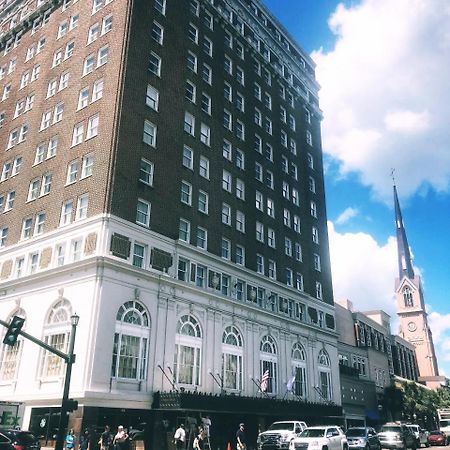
[
  {"x": 239, "y": 258},
  {"x": 139, "y": 255},
  {"x": 189, "y": 123},
  {"x": 86, "y": 166},
  {"x": 157, "y": 33},
  {"x": 259, "y": 232},
  {"x": 226, "y": 214},
  {"x": 26, "y": 228},
  {"x": 190, "y": 91},
  {"x": 192, "y": 62},
  {"x": 152, "y": 97},
  {"x": 226, "y": 181},
  {"x": 205, "y": 134},
  {"x": 107, "y": 24},
  {"x": 240, "y": 189},
  {"x": 92, "y": 127},
  {"x": 146, "y": 172},
  {"x": 193, "y": 33},
  {"x": 149, "y": 136},
  {"x": 240, "y": 221},
  {"x": 206, "y": 103},
  {"x": 186, "y": 193},
  {"x": 206, "y": 74},
  {"x": 97, "y": 90},
  {"x": 83, "y": 98},
  {"x": 46, "y": 184},
  {"x": 93, "y": 33},
  {"x": 88, "y": 65},
  {"x": 160, "y": 6},
  {"x": 184, "y": 230},
  {"x": 203, "y": 202},
  {"x": 102, "y": 57},
  {"x": 226, "y": 248},
  {"x": 72, "y": 172},
  {"x": 271, "y": 241},
  {"x": 154, "y": 64},
  {"x": 188, "y": 157},
  {"x": 204, "y": 167},
  {"x": 207, "y": 46},
  {"x": 143, "y": 213},
  {"x": 202, "y": 238},
  {"x": 78, "y": 131}
]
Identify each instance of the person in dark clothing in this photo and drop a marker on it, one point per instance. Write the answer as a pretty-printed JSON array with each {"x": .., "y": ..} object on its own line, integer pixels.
[
  {"x": 106, "y": 439},
  {"x": 85, "y": 441},
  {"x": 199, "y": 441},
  {"x": 241, "y": 441}
]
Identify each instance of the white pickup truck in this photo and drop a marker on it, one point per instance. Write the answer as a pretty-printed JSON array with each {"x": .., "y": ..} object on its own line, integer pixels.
[{"x": 280, "y": 434}]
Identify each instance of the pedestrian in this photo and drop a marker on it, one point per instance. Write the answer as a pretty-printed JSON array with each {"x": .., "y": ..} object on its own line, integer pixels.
[
  {"x": 241, "y": 441},
  {"x": 106, "y": 439},
  {"x": 180, "y": 437},
  {"x": 70, "y": 439},
  {"x": 85, "y": 441},
  {"x": 199, "y": 441},
  {"x": 206, "y": 422},
  {"x": 120, "y": 439}
]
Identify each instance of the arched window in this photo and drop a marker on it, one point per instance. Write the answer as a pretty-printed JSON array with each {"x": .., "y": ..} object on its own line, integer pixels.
[
  {"x": 232, "y": 353},
  {"x": 130, "y": 350},
  {"x": 188, "y": 346},
  {"x": 10, "y": 355},
  {"x": 324, "y": 375},
  {"x": 298, "y": 356},
  {"x": 407, "y": 296},
  {"x": 56, "y": 333},
  {"x": 269, "y": 360}
]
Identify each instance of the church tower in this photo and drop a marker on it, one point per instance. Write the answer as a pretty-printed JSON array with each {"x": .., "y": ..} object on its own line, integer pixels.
[{"x": 411, "y": 307}]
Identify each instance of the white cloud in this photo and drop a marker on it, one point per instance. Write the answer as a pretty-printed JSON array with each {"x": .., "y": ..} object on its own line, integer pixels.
[
  {"x": 346, "y": 215},
  {"x": 386, "y": 93},
  {"x": 364, "y": 272}
]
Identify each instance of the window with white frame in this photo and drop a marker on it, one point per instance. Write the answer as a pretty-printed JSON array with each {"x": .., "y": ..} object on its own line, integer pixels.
[
  {"x": 240, "y": 189},
  {"x": 157, "y": 32},
  {"x": 259, "y": 231},
  {"x": 226, "y": 181},
  {"x": 186, "y": 193},
  {"x": 92, "y": 126},
  {"x": 56, "y": 334},
  {"x": 324, "y": 368},
  {"x": 239, "y": 255},
  {"x": 102, "y": 56},
  {"x": 190, "y": 91},
  {"x": 204, "y": 167},
  {"x": 232, "y": 359},
  {"x": 189, "y": 123},
  {"x": 202, "y": 238},
  {"x": 205, "y": 134},
  {"x": 39, "y": 223},
  {"x": 139, "y": 254},
  {"x": 66, "y": 213},
  {"x": 130, "y": 349},
  {"x": 188, "y": 157},
  {"x": 203, "y": 200},
  {"x": 315, "y": 235},
  {"x": 268, "y": 363},
  {"x": 143, "y": 209},
  {"x": 152, "y": 97},
  {"x": 154, "y": 64},
  {"x": 319, "y": 290},
  {"x": 146, "y": 171},
  {"x": 82, "y": 207},
  {"x": 298, "y": 358},
  {"x": 240, "y": 221},
  {"x": 225, "y": 248},
  {"x": 184, "y": 230},
  {"x": 271, "y": 238},
  {"x": 188, "y": 347},
  {"x": 226, "y": 214},
  {"x": 149, "y": 136}
]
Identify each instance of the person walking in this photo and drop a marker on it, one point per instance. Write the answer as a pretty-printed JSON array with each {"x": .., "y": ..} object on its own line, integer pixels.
[
  {"x": 120, "y": 440},
  {"x": 70, "y": 439},
  {"x": 85, "y": 441},
  {"x": 106, "y": 439},
  {"x": 180, "y": 437},
  {"x": 199, "y": 441},
  {"x": 241, "y": 441}
]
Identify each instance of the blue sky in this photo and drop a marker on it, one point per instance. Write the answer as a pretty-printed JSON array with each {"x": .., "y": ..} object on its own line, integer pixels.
[{"x": 385, "y": 97}]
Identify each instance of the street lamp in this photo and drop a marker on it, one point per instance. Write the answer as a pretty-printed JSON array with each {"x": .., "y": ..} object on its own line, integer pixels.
[{"x": 64, "y": 405}]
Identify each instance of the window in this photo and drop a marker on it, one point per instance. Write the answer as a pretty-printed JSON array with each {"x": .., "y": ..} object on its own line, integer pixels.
[
  {"x": 240, "y": 255},
  {"x": 226, "y": 214},
  {"x": 287, "y": 217},
  {"x": 240, "y": 76},
  {"x": 318, "y": 290},
  {"x": 203, "y": 202},
  {"x": 93, "y": 33},
  {"x": 189, "y": 123},
  {"x": 225, "y": 248},
  {"x": 56, "y": 334},
  {"x": 10, "y": 200},
  {"x": 130, "y": 347},
  {"x": 259, "y": 232},
  {"x": 193, "y": 33},
  {"x": 315, "y": 235},
  {"x": 207, "y": 46},
  {"x": 206, "y": 103},
  {"x": 190, "y": 91},
  {"x": 317, "y": 262},
  {"x": 97, "y": 90},
  {"x": 83, "y": 98},
  {"x": 139, "y": 251},
  {"x": 154, "y": 64},
  {"x": 310, "y": 160},
  {"x": 286, "y": 190},
  {"x": 107, "y": 24},
  {"x": 78, "y": 131},
  {"x": 72, "y": 171},
  {"x": 227, "y": 91},
  {"x": 188, "y": 157},
  {"x": 33, "y": 190},
  {"x": 312, "y": 184},
  {"x": 267, "y": 101},
  {"x": 299, "y": 381},
  {"x": 271, "y": 241},
  {"x": 308, "y": 137},
  {"x": 299, "y": 281},
  {"x": 227, "y": 120},
  {"x": 192, "y": 62},
  {"x": 64, "y": 81},
  {"x": 194, "y": 7},
  {"x": 298, "y": 252},
  {"x": 240, "y": 189},
  {"x": 58, "y": 112},
  {"x": 208, "y": 20},
  {"x": 324, "y": 375},
  {"x": 57, "y": 57},
  {"x": 160, "y": 6},
  {"x": 152, "y": 97},
  {"x": 86, "y": 166},
  {"x": 226, "y": 149},
  {"x": 102, "y": 57},
  {"x": 240, "y": 130},
  {"x": 258, "y": 171},
  {"x": 146, "y": 172},
  {"x": 258, "y": 117},
  {"x": 92, "y": 127},
  {"x": 157, "y": 33},
  {"x": 66, "y": 213},
  {"x": 287, "y": 246},
  {"x": 82, "y": 207},
  {"x": 26, "y": 228},
  {"x": 289, "y": 280},
  {"x": 204, "y": 167},
  {"x": 268, "y": 361},
  {"x": 226, "y": 181},
  {"x": 240, "y": 159},
  {"x": 143, "y": 213},
  {"x": 96, "y": 6},
  {"x": 408, "y": 296},
  {"x": 272, "y": 269},
  {"x": 186, "y": 193},
  {"x": 206, "y": 74},
  {"x": 10, "y": 358},
  {"x": 88, "y": 65},
  {"x": 202, "y": 238},
  {"x": 296, "y": 224},
  {"x": 187, "y": 356},
  {"x": 259, "y": 264},
  {"x": 240, "y": 221},
  {"x": 205, "y": 134},
  {"x": 228, "y": 65},
  {"x": 313, "y": 209},
  {"x": 184, "y": 230},
  {"x": 232, "y": 359},
  {"x": 46, "y": 184},
  {"x": 149, "y": 133},
  {"x": 259, "y": 201},
  {"x": 240, "y": 102},
  {"x": 69, "y": 50},
  {"x": 270, "y": 208}
]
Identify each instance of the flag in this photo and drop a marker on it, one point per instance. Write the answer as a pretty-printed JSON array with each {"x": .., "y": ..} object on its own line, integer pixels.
[
  {"x": 264, "y": 381},
  {"x": 290, "y": 383}
]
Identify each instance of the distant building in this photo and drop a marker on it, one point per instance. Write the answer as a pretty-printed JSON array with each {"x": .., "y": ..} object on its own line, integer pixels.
[
  {"x": 411, "y": 310},
  {"x": 162, "y": 176}
]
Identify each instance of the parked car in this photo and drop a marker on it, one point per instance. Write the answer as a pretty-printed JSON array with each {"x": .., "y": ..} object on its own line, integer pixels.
[
  {"x": 437, "y": 438},
  {"x": 362, "y": 438},
  {"x": 5, "y": 443},
  {"x": 397, "y": 436},
  {"x": 20, "y": 440},
  {"x": 326, "y": 437},
  {"x": 420, "y": 434},
  {"x": 280, "y": 434}
]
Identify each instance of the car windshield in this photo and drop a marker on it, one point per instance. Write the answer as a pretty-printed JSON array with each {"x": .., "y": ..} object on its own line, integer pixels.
[
  {"x": 391, "y": 428},
  {"x": 25, "y": 438},
  {"x": 282, "y": 426},
  {"x": 313, "y": 432},
  {"x": 444, "y": 423},
  {"x": 356, "y": 432}
]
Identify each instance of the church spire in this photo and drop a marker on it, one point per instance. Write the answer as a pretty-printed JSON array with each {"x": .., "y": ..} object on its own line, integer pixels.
[{"x": 405, "y": 267}]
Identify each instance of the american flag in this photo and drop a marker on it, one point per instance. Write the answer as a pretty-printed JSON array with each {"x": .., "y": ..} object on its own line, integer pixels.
[{"x": 264, "y": 381}]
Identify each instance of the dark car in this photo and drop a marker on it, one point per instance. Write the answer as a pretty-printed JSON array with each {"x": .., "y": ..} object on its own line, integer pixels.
[
  {"x": 397, "y": 436},
  {"x": 362, "y": 438},
  {"x": 437, "y": 438},
  {"x": 20, "y": 440}
]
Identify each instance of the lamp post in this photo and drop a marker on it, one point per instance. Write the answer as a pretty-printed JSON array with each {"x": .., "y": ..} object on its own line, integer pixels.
[{"x": 64, "y": 404}]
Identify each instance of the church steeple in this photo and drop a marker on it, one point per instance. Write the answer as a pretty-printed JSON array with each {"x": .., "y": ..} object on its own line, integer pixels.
[{"x": 405, "y": 267}]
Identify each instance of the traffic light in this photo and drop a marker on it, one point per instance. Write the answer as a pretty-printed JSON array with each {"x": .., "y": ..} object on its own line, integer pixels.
[
  {"x": 13, "y": 330},
  {"x": 71, "y": 405}
]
